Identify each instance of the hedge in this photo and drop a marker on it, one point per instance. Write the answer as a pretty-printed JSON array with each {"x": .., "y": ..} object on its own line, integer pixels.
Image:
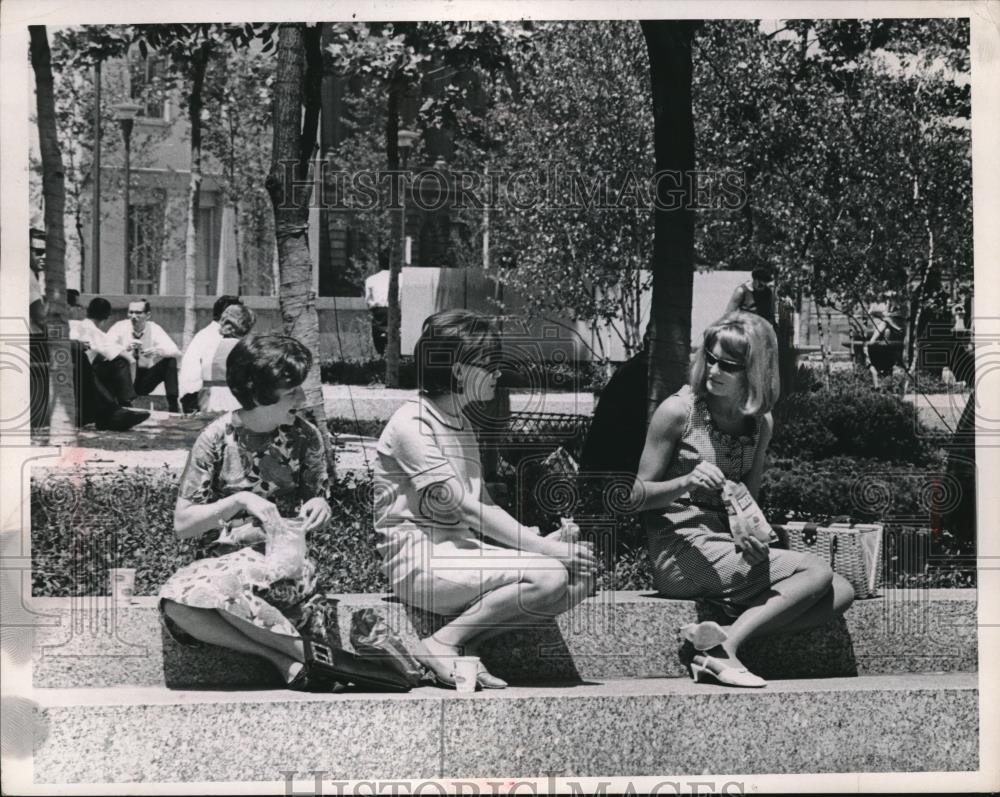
[
  {"x": 557, "y": 377},
  {"x": 86, "y": 522},
  {"x": 849, "y": 418},
  {"x": 82, "y": 524}
]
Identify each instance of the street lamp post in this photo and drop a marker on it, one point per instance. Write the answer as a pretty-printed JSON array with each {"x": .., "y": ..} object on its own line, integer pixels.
[
  {"x": 404, "y": 143},
  {"x": 125, "y": 113},
  {"x": 95, "y": 224}
]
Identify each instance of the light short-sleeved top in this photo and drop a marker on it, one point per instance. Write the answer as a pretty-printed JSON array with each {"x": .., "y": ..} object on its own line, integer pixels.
[{"x": 421, "y": 446}]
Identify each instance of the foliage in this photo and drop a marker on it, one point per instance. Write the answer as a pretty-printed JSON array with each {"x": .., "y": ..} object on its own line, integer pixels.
[
  {"x": 86, "y": 522},
  {"x": 795, "y": 488},
  {"x": 839, "y": 421},
  {"x": 74, "y": 51},
  {"x": 237, "y": 132},
  {"x": 558, "y": 377},
  {"x": 854, "y": 142},
  {"x": 579, "y": 125}
]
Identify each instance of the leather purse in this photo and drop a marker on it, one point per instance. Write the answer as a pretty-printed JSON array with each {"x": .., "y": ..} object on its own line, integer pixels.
[{"x": 349, "y": 668}]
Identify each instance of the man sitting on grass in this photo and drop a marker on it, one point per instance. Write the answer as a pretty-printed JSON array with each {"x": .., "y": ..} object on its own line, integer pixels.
[
  {"x": 154, "y": 353},
  {"x": 101, "y": 371}
]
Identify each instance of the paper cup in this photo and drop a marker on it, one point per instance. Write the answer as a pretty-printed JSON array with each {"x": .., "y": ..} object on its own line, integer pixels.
[
  {"x": 122, "y": 580},
  {"x": 464, "y": 672}
]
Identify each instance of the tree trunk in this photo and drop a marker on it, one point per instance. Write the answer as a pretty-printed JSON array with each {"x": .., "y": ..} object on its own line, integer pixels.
[
  {"x": 294, "y": 141},
  {"x": 198, "y": 66},
  {"x": 911, "y": 343},
  {"x": 669, "y": 44},
  {"x": 62, "y": 403},
  {"x": 237, "y": 243},
  {"x": 393, "y": 344}
]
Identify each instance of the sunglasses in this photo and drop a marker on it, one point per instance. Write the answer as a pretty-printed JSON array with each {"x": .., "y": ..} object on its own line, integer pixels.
[{"x": 728, "y": 366}]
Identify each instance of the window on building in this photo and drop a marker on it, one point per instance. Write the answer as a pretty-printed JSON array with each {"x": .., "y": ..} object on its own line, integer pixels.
[
  {"x": 207, "y": 252},
  {"x": 147, "y": 85},
  {"x": 146, "y": 223}
]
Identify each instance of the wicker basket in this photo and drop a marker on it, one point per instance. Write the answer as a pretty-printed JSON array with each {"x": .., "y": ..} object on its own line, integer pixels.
[{"x": 853, "y": 551}]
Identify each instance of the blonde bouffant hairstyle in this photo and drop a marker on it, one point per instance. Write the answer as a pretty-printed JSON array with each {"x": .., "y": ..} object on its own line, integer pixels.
[{"x": 749, "y": 339}]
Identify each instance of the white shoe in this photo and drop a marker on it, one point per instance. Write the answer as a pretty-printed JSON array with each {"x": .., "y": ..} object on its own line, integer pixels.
[
  {"x": 704, "y": 636},
  {"x": 707, "y": 667}
]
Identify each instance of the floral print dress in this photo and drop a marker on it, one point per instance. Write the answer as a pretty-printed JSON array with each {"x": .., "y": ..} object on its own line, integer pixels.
[{"x": 287, "y": 467}]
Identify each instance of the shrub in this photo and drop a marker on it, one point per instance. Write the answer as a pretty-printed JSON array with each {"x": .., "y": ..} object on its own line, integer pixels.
[
  {"x": 82, "y": 524},
  {"x": 850, "y": 419},
  {"x": 862, "y": 489},
  {"x": 362, "y": 427},
  {"x": 366, "y": 372},
  {"x": 557, "y": 377}
]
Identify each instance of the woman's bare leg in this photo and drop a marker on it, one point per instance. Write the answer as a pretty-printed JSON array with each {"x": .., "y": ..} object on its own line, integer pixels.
[
  {"x": 574, "y": 594},
  {"x": 523, "y": 602},
  {"x": 834, "y": 602},
  {"x": 775, "y": 609},
  {"x": 211, "y": 626}
]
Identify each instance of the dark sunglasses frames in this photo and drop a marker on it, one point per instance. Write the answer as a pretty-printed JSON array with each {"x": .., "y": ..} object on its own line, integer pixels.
[{"x": 728, "y": 366}]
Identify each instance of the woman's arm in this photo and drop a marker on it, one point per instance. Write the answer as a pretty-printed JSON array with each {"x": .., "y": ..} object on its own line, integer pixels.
[
  {"x": 757, "y": 469},
  {"x": 447, "y": 501},
  {"x": 665, "y": 429},
  {"x": 193, "y": 519}
]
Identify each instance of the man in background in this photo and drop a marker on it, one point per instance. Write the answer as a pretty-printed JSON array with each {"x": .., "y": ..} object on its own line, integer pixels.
[
  {"x": 102, "y": 373},
  {"x": 198, "y": 355},
  {"x": 377, "y": 299},
  {"x": 152, "y": 350},
  {"x": 38, "y": 338},
  {"x": 757, "y": 296}
]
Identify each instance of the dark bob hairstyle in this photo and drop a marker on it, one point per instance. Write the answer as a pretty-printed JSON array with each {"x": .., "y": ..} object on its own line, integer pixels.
[
  {"x": 261, "y": 365},
  {"x": 450, "y": 337}
]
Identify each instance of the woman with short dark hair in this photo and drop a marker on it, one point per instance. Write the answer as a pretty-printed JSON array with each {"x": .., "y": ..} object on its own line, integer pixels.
[
  {"x": 249, "y": 471},
  {"x": 446, "y": 547},
  {"x": 714, "y": 429}
]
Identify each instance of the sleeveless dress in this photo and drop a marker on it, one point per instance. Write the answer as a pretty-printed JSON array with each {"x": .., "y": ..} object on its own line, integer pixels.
[
  {"x": 689, "y": 543},
  {"x": 286, "y": 466}
]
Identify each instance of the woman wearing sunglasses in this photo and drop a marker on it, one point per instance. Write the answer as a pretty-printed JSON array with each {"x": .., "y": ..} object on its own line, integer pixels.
[
  {"x": 716, "y": 428},
  {"x": 447, "y": 548}
]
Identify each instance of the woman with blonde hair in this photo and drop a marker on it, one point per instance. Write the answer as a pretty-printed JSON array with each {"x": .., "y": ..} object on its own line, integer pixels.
[{"x": 716, "y": 428}]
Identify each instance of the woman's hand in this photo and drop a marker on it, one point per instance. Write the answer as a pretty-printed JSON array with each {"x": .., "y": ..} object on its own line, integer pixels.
[
  {"x": 755, "y": 551},
  {"x": 262, "y": 509},
  {"x": 706, "y": 476},
  {"x": 577, "y": 557},
  {"x": 568, "y": 531},
  {"x": 247, "y": 534},
  {"x": 316, "y": 512}
]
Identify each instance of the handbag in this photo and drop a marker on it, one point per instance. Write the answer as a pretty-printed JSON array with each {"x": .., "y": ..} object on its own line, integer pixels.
[
  {"x": 345, "y": 667},
  {"x": 854, "y": 550}
]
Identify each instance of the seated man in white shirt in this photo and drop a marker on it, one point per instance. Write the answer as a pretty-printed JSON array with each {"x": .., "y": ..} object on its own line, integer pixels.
[
  {"x": 154, "y": 352},
  {"x": 102, "y": 373},
  {"x": 198, "y": 355}
]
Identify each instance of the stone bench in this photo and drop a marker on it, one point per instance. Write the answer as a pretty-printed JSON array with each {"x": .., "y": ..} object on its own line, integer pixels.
[
  {"x": 598, "y": 693},
  {"x": 92, "y": 642}
]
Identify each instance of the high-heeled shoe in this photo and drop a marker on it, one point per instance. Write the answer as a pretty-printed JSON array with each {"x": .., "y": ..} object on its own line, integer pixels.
[
  {"x": 711, "y": 668},
  {"x": 487, "y": 680},
  {"x": 705, "y": 635},
  {"x": 442, "y": 676}
]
